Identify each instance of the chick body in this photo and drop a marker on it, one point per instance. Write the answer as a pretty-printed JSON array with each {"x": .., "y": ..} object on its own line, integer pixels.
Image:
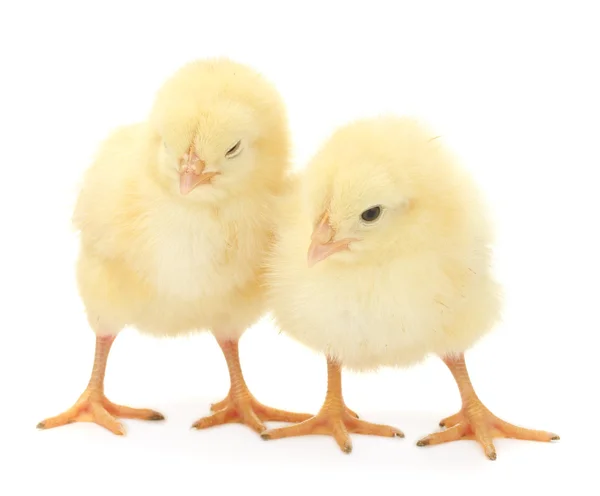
[
  {"x": 383, "y": 257},
  {"x": 174, "y": 223},
  {"x": 426, "y": 289},
  {"x": 163, "y": 265},
  {"x": 168, "y": 264}
]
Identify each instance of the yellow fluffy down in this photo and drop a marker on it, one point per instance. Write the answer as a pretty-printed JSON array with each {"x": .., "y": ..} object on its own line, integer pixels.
[
  {"x": 418, "y": 280},
  {"x": 166, "y": 263}
]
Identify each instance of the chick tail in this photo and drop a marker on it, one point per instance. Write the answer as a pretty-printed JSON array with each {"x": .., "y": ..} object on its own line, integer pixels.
[
  {"x": 334, "y": 418},
  {"x": 475, "y": 421},
  {"x": 93, "y": 406},
  {"x": 240, "y": 406}
]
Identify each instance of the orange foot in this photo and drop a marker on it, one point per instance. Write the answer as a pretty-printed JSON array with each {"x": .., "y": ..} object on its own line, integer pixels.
[
  {"x": 215, "y": 407},
  {"x": 334, "y": 418},
  {"x": 336, "y": 422},
  {"x": 476, "y": 422},
  {"x": 243, "y": 408},
  {"x": 93, "y": 406},
  {"x": 240, "y": 406}
]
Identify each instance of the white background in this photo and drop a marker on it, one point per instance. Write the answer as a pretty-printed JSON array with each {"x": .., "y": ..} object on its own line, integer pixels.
[{"x": 512, "y": 85}]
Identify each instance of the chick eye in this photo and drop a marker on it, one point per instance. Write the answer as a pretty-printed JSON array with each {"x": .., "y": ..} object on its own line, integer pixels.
[
  {"x": 234, "y": 149},
  {"x": 372, "y": 214}
]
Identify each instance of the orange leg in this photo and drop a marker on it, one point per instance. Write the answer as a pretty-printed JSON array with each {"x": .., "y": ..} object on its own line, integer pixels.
[
  {"x": 240, "y": 406},
  {"x": 93, "y": 406},
  {"x": 475, "y": 421},
  {"x": 334, "y": 418}
]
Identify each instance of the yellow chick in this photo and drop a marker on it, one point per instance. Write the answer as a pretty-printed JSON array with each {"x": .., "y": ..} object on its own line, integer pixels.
[
  {"x": 383, "y": 258},
  {"x": 175, "y": 219}
]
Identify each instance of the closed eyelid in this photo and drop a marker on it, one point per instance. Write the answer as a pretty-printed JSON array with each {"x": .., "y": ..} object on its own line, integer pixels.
[{"x": 235, "y": 147}]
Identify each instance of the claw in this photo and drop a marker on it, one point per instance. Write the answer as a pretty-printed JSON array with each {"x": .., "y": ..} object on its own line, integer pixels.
[{"x": 156, "y": 416}]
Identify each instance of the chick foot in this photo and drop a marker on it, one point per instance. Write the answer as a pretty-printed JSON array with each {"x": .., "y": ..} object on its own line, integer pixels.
[
  {"x": 338, "y": 423},
  {"x": 334, "y": 419},
  {"x": 475, "y": 422},
  {"x": 243, "y": 408},
  {"x": 240, "y": 406},
  {"x": 215, "y": 407},
  {"x": 93, "y": 406}
]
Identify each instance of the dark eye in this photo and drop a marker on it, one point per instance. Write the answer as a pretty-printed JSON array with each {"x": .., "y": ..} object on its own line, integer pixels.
[
  {"x": 371, "y": 215},
  {"x": 233, "y": 149}
]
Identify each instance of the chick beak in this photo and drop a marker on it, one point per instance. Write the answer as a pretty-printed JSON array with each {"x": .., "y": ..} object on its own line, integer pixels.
[
  {"x": 192, "y": 173},
  {"x": 322, "y": 244}
]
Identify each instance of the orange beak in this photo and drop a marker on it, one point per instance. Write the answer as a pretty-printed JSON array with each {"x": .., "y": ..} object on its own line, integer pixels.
[
  {"x": 192, "y": 173},
  {"x": 322, "y": 244}
]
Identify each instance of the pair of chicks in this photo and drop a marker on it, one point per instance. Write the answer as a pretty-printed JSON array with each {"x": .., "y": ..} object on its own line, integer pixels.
[{"x": 378, "y": 254}]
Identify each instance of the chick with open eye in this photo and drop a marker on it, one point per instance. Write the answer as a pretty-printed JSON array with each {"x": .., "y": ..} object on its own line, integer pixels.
[
  {"x": 174, "y": 217},
  {"x": 383, "y": 258}
]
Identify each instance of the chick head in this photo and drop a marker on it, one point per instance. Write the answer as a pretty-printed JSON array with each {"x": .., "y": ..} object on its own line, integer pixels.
[
  {"x": 383, "y": 187},
  {"x": 220, "y": 128}
]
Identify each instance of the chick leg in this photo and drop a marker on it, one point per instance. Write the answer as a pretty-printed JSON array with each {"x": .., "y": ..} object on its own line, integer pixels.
[
  {"x": 240, "y": 406},
  {"x": 93, "y": 406},
  {"x": 475, "y": 421},
  {"x": 334, "y": 418}
]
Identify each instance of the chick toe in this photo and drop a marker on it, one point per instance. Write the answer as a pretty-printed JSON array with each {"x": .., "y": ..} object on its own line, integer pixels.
[
  {"x": 270, "y": 414},
  {"x": 451, "y": 421},
  {"x": 352, "y": 413},
  {"x": 219, "y": 405},
  {"x": 357, "y": 426},
  {"x": 127, "y": 412}
]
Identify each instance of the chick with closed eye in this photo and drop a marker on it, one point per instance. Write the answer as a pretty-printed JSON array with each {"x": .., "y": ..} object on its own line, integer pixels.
[{"x": 174, "y": 217}]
